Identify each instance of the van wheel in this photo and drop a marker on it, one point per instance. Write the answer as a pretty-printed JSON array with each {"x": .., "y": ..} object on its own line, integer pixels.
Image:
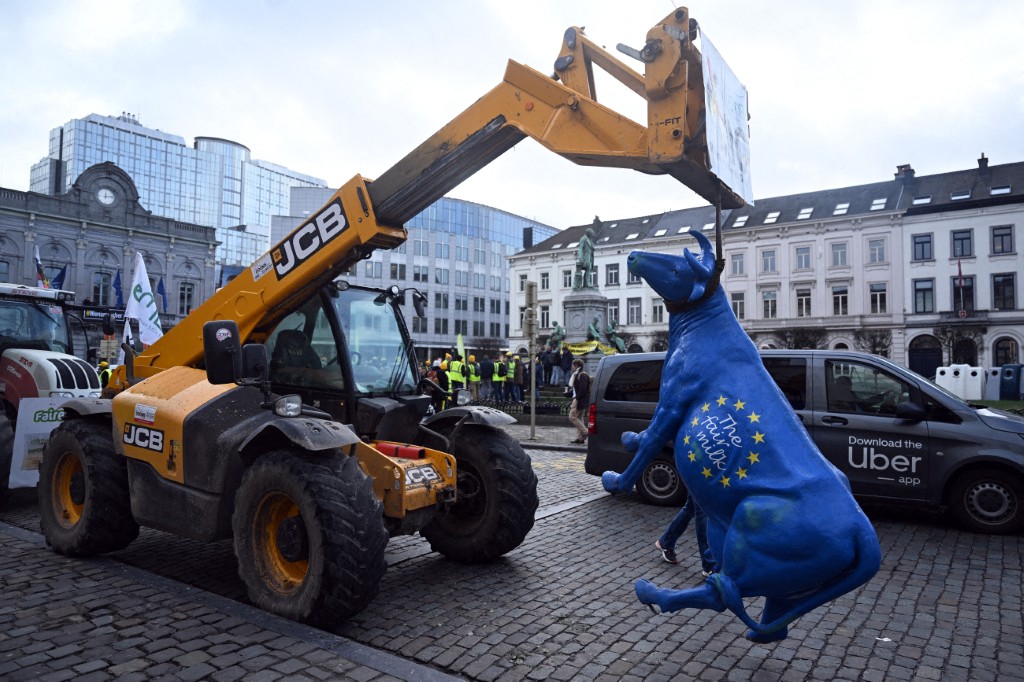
[
  {"x": 84, "y": 504},
  {"x": 988, "y": 501},
  {"x": 660, "y": 484},
  {"x": 309, "y": 536}
]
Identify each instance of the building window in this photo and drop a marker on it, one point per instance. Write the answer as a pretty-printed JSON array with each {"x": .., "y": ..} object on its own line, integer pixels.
[
  {"x": 374, "y": 269},
  {"x": 440, "y": 325},
  {"x": 736, "y": 260},
  {"x": 769, "y": 302},
  {"x": 658, "y": 313},
  {"x": 1006, "y": 352},
  {"x": 841, "y": 209},
  {"x": 462, "y": 327},
  {"x": 421, "y": 247},
  {"x": 1004, "y": 292},
  {"x": 805, "y": 213},
  {"x": 479, "y": 304},
  {"x": 876, "y": 251},
  {"x": 1002, "y": 239},
  {"x": 522, "y": 282},
  {"x": 101, "y": 284},
  {"x": 877, "y": 292},
  {"x": 738, "y": 305},
  {"x": 440, "y": 301},
  {"x": 922, "y": 247},
  {"x": 186, "y": 297},
  {"x": 963, "y": 292},
  {"x": 633, "y": 308},
  {"x": 630, "y": 278},
  {"x": 441, "y": 250},
  {"x": 567, "y": 279},
  {"x": 840, "y": 300},
  {"x": 803, "y": 302},
  {"x": 924, "y": 296},
  {"x": 839, "y": 255},
  {"x": 545, "y": 317},
  {"x": 441, "y": 276},
  {"x": 613, "y": 310},
  {"x": 878, "y": 204},
  {"x": 545, "y": 281},
  {"x": 398, "y": 271},
  {"x": 963, "y": 243},
  {"x": 739, "y": 222},
  {"x": 462, "y": 303},
  {"x": 462, "y": 278},
  {"x": 771, "y": 217},
  {"x": 803, "y": 258},
  {"x": 768, "y": 261},
  {"x": 611, "y": 274}
]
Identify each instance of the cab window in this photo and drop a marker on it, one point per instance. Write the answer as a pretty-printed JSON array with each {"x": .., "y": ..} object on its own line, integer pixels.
[
  {"x": 854, "y": 388},
  {"x": 791, "y": 376},
  {"x": 302, "y": 352}
]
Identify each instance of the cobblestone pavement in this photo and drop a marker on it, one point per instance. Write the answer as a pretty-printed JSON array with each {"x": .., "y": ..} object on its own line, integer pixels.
[{"x": 946, "y": 605}]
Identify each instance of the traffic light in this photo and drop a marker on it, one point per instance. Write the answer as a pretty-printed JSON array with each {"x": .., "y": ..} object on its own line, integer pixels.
[{"x": 530, "y": 314}]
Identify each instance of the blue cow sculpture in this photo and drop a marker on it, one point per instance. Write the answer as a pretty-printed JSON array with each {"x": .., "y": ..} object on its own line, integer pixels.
[{"x": 782, "y": 522}]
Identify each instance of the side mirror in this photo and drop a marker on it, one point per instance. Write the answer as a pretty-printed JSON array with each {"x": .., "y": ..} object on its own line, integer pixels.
[
  {"x": 909, "y": 411},
  {"x": 419, "y": 302},
  {"x": 222, "y": 351},
  {"x": 255, "y": 363},
  {"x": 108, "y": 325}
]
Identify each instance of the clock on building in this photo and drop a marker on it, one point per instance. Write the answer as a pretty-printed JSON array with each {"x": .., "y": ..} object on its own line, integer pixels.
[{"x": 105, "y": 196}]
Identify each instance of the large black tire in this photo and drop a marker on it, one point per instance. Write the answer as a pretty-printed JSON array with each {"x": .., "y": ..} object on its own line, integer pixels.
[
  {"x": 988, "y": 500},
  {"x": 496, "y": 498},
  {"x": 661, "y": 484},
  {"x": 309, "y": 536},
  {"x": 6, "y": 454},
  {"x": 84, "y": 503}
]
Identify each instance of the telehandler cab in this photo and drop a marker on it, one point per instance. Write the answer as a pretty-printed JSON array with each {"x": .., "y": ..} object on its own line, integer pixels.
[{"x": 260, "y": 417}]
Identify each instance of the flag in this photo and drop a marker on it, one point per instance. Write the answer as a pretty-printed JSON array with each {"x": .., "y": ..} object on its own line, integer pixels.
[
  {"x": 142, "y": 306},
  {"x": 118, "y": 291},
  {"x": 58, "y": 281},
  {"x": 163, "y": 292},
  {"x": 41, "y": 280}
]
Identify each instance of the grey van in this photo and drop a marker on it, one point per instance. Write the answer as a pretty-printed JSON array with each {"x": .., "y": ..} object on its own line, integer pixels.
[{"x": 897, "y": 436}]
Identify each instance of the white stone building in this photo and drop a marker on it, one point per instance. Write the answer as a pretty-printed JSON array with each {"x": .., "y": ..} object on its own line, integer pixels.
[{"x": 873, "y": 267}]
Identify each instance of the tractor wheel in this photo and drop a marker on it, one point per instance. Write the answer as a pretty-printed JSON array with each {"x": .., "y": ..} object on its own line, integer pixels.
[
  {"x": 309, "y": 536},
  {"x": 496, "y": 498},
  {"x": 6, "y": 454},
  {"x": 84, "y": 503}
]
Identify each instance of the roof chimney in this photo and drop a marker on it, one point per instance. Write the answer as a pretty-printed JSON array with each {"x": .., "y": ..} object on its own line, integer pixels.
[
  {"x": 983, "y": 164},
  {"x": 905, "y": 173}
]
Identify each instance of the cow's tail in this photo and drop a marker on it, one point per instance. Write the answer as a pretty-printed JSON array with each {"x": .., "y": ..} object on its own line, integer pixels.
[{"x": 866, "y": 563}]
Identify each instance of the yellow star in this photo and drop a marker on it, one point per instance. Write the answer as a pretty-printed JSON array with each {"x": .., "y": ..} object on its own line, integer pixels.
[
  {"x": 721, "y": 400},
  {"x": 739, "y": 404},
  {"x": 706, "y": 407},
  {"x": 758, "y": 437},
  {"x": 754, "y": 417},
  {"x": 693, "y": 456},
  {"x": 706, "y": 472},
  {"x": 741, "y": 472},
  {"x": 725, "y": 481},
  {"x": 686, "y": 440},
  {"x": 753, "y": 457},
  {"x": 694, "y": 422}
]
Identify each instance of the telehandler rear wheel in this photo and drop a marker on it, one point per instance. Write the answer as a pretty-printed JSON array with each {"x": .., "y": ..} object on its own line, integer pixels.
[
  {"x": 496, "y": 497},
  {"x": 309, "y": 536},
  {"x": 84, "y": 503}
]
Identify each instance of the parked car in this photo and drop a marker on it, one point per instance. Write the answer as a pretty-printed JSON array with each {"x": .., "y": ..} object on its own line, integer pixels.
[{"x": 897, "y": 436}]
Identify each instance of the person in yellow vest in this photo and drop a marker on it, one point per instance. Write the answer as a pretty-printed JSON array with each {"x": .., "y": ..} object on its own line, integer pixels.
[
  {"x": 473, "y": 373},
  {"x": 104, "y": 373},
  {"x": 456, "y": 373},
  {"x": 510, "y": 392},
  {"x": 500, "y": 373}
]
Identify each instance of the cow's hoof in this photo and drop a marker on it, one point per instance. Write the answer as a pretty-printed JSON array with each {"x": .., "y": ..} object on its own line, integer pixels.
[
  {"x": 645, "y": 592},
  {"x": 766, "y": 637}
]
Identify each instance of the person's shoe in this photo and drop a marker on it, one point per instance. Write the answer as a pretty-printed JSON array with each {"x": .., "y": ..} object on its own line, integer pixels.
[
  {"x": 668, "y": 555},
  {"x": 706, "y": 573}
]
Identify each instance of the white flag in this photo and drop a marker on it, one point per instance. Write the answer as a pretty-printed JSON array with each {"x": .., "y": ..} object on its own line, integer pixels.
[{"x": 142, "y": 306}]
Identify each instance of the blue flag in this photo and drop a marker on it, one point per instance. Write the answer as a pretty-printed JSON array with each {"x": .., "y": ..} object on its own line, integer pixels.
[
  {"x": 118, "y": 291},
  {"x": 163, "y": 292},
  {"x": 58, "y": 281}
]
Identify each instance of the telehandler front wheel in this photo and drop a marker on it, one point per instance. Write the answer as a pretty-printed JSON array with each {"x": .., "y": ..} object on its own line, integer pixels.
[
  {"x": 496, "y": 497},
  {"x": 84, "y": 503},
  {"x": 309, "y": 536}
]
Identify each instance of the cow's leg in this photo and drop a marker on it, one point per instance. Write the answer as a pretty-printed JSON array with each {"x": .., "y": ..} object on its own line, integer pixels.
[
  {"x": 701, "y": 597},
  {"x": 774, "y": 609}
]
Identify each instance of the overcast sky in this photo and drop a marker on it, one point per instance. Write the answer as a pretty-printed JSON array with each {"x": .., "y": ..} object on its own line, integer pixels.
[{"x": 841, "y": 91}]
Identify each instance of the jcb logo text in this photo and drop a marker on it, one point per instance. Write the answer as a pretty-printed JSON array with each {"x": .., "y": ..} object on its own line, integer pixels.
[
  {"x": 142, "y": 437},
  {"x": 309, "y": 238}
]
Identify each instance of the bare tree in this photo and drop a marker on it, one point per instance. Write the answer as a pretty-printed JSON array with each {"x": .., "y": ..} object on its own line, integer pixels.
[
  {"x": 804, "y": 338},
  {"x": 877, "y": 341},
  {"x": 659, "y": 340},
  {"x": 956, "y": 339}
]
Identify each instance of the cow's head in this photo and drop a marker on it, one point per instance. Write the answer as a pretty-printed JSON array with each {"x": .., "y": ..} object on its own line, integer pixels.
[{"x": 679, "y": 279}]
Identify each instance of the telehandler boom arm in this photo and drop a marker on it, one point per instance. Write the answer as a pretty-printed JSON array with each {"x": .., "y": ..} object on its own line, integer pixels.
[{"x": 561, "y": 112}]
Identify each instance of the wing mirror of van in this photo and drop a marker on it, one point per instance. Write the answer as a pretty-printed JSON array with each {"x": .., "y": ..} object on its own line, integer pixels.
[{"x": 910, "y": 411}]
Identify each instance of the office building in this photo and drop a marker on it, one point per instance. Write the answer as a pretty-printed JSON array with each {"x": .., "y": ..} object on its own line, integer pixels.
[{"x": 215, "y": 182}]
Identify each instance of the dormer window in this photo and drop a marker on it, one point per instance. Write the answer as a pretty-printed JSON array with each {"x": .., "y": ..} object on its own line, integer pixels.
[
  {"x": 741, "y": 221},
  {"x": 771, "y": 217},
  {"x": 960, "y": 195},
  {"x": 841, "y": 209},
  {"x": 632, "y": 235},
  {"x": 878, "y": 204},
  {"x": 660, "y": 233},
  {"x": 805, "y": 213},
  {"x": 921, "y": 201},
  {"x": 995, "y": 191}
]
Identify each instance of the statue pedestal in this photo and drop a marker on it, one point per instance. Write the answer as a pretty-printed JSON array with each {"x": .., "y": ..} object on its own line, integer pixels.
[{"x": 581, "y": 308}]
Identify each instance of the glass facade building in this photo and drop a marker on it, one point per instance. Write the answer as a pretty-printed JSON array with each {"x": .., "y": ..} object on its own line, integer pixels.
[
  {"x": 214, "y": 183},
  {"x": 457, "y": 254}
]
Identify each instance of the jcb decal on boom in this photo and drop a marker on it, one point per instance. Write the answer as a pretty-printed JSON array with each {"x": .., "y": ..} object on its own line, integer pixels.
[
  {"x": 309, "y": 238},
  {"x": 142, "y": 437}
]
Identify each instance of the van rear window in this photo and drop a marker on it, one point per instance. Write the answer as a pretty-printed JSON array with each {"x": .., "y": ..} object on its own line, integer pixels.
[
  {"x": 791, "y": 376},
  {"x": 638, "y": 382}
]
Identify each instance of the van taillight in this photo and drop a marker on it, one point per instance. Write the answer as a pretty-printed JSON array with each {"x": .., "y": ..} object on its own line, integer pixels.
[{"x": 592, "y": 419}]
